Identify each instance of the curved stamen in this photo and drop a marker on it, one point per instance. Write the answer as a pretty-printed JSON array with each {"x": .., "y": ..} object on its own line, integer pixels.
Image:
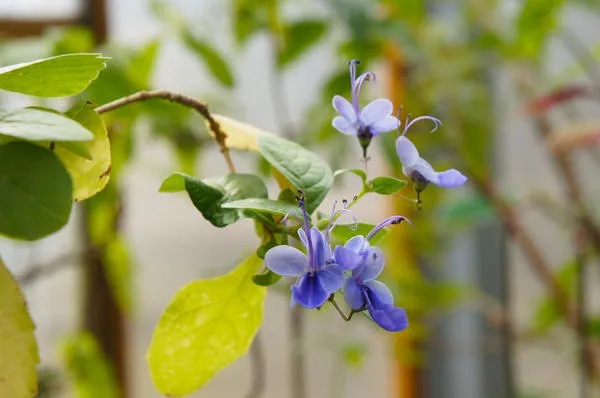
[
  {"x": 388, "y": 221},
  {"x": 330, "y": 227},
  {"x": 367, "y": 76},
  {"x": 400, "y": 124},
  {"x": 408, "y": 124},
  {"x": 331, "y": 217},
  {"x": 306, "y": 226},
  {"x": 352, "y": 64},
  {"x": 290, "y": 215}
]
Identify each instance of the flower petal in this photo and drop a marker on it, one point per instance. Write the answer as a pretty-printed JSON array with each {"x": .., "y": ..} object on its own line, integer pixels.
[
  {"x": 346, "y": 258},
  {"x": 308, "y": 292},
  {"x": 426, "y": 171},
  {"x": 384, "y": 125},
  {"x": 353, "y": 293},
  {"x": 344, "y": 108},
  {"x": 343, "y": 126},
  {"x": 357, "y": 244},
  {"x": 331, "y": 278},
  {"x": 407, "y": 152},
  {"x": 379, "y": 293},
  {"x": 286, "y": 260},
  {"x": 390, "y": 318},
  {"x": 320, "y": 246},
  {"x": 451, "y": 178},
  {"x": 376, "y": 110},
  {"x": 371, "y": 268}
]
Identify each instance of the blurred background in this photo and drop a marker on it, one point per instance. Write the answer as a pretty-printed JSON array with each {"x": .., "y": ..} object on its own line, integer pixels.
[{"x": 499, "y": 277}]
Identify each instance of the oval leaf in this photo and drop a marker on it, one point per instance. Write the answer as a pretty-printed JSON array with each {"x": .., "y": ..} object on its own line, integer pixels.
[
  {"x": 387, "y": 185},
  {"x": 211, "y": 57},
  {"x": 35, "y": 192},
  {"x": 89, "y": 176},
  {"x": 265, "y": 205},
  {"x": 240, "y": 135},
  {"x": 267, "y": 279},
  {"x": 302, "y": 168},
  {"x": 208, "y": 325},
  {"x": 41, "y": 125},
  {"x": 18, "y": 377},
  {"x": 60, "y": 76},
  {"x": 298, "y": 38},
  {"x": 209, "y": 196}
]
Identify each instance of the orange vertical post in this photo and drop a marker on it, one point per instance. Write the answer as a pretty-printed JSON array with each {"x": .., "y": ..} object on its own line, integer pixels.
[{"x": 405, "y": 372}]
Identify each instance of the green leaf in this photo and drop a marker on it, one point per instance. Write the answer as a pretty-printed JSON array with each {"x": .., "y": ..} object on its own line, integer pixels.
[
  {"x": 266, "y": 206},
  {"x": 547, "y": 313},
  {"x": 73, "y": 39},
  {"x": 387, "y": 185},
  {"x": 18, "y": 376},
  {"x": 358, "y": 172},
  {"x": 298, "y": 38},
  {"x": 174, "y": 183},
  {"x": 142, "y": 64},
  {"x": 208, "y": 325},
  {"x": 344, "y": 232},
  {"x": 267, "y": 279},
  {"x": 89, "y": 176},
  {"x": 249, "y": 17},
  {"x": 535, "y": 23},
  {"x": 90, "y": 371},
  {"x": 302, "y": 168},
  {"x": 34, "y": 124},
  {"x": 211, "y": 57},
  {"x": 59, "y": 76},
  {"x": 36, "y": 192},
  {"x": 209, "y": 196}
]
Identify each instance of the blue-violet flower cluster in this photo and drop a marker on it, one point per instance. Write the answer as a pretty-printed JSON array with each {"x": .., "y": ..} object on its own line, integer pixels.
[{"x": 322, "y": 272}]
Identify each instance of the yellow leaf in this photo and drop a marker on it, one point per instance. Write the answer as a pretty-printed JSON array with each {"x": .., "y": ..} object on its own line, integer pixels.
[
  {"x": 240, "y": 135},
  {"x": 18, "y": 348},
  {"x": 89, "y": 176},
  {"x": 208, "y": 325}
]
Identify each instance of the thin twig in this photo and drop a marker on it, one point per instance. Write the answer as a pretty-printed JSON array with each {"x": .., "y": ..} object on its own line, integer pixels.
[
  {"x": 345, "y": 317},
  {"x": 258, "y": 365},
  {"x": 536, "y": 259},
  {"x": 184, "y": 100},
  {"x": 37, "y": 271}
]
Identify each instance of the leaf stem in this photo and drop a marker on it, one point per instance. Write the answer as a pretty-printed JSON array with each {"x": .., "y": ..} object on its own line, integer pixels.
[
  {"x": 198, "y": 106},
  {"x": 339, "y": 310}
]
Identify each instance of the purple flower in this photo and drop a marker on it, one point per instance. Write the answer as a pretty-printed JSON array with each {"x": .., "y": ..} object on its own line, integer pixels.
[
  {"x": 375, "y": 118},
  {"x": 318, "y": 275},
  {"x": 417, "y": 168},
  {"x": 361, "y": 290}
]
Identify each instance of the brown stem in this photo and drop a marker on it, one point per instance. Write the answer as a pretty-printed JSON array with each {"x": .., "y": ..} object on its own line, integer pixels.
[
  {"x": 184, "y": 100},
  {"x": 535, "y": 257}
]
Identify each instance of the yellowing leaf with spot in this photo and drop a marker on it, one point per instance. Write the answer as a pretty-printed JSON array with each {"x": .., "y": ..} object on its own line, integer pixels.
[
  {"x": 240, "y": 135},
  {"x": 208, "y": 325},
  {"x": 89, "y": 176},
  {"x": 18, "y": 348}
]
